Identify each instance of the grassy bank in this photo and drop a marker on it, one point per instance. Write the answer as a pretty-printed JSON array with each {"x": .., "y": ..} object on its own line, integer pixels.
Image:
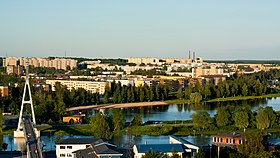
[
  {"x": 185, "y": 101},
  {"x": 243, "y": 98},
  {"x": 184, "y": 129},
  {"x": 57, "y": 130}
]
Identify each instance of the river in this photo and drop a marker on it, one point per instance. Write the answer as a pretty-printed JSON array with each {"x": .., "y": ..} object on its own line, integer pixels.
[{"x": 159, "y": 113}]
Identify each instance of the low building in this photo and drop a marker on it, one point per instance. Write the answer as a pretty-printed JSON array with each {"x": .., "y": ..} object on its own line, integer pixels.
[
  {"x": 75, "y": 118},
  {"x": 140, "y": 150},
  {"x": 87, "y": 148},
  {"x": 99, "y": 150},
  {"x": 232, "y": 139},
  {"x": 180, "y": 145},
  {"x": 92, "y": 86}
]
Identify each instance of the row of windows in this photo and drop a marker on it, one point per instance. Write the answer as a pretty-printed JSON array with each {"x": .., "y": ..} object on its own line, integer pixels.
[
  {"x": 231, "y": 141},
  {"x": 63, "y": 147},
  {"x": 64, "y": 155}
]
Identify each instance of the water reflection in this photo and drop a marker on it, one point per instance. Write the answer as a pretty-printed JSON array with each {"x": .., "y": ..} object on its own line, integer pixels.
[{"x": 184, "y": 111}]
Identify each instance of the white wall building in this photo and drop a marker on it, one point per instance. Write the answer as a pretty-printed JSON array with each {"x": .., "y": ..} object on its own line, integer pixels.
[
  {"x": 92, "y": 86},
  {"x": 65, "y": 147}
]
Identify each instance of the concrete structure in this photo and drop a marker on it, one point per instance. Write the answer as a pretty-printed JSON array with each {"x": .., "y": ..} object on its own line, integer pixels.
[
  {"x": 4, "y": 91},
  {"x": 92, "y": 86},
  {"x": 57, "y": 63},
  {"x": 86, "y": 147},
  {"x": 19, "y": 133}
]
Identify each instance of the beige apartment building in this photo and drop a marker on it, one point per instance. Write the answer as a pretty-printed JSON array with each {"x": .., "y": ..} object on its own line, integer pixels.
[
  {"x": 57, "y": 63},
  {"x": 92, "y": 86},
  {"x": 159, "y": 61},
  {"x": 4, "y": 91}
]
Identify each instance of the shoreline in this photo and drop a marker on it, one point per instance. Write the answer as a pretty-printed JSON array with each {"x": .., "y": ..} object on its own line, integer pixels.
[
  {"x": 167, "y": 102},
  {"x": 117, "y": 106}
]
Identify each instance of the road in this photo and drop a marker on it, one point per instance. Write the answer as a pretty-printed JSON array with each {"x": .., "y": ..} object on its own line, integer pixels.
[{"x": 31, "y": 140}]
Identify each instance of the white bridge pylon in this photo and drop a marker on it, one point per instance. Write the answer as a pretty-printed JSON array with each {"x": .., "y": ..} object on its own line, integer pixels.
[{"x": 19, "y": 131}]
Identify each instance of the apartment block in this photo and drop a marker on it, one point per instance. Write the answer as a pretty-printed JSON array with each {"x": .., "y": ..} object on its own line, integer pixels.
[
  {"x": 58, "y": 63},
  {"x": 92, "y": 86},
  {"x": 4, "y": 91}
]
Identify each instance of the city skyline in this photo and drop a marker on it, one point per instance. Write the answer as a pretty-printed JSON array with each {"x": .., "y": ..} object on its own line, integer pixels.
[{"x": 214, "y": 30}]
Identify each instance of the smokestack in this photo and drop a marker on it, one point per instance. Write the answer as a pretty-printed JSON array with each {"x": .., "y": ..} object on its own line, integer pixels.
[
  {"x": 193, "y": 56},
  {"x": 189, "y": 54}
]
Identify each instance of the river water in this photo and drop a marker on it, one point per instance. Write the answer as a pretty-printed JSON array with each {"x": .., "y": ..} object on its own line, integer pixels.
[{"x": 159, "y": 113}]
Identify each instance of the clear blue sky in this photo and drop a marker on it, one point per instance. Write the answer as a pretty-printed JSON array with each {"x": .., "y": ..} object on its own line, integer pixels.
[{"x": 215, "y": 29}]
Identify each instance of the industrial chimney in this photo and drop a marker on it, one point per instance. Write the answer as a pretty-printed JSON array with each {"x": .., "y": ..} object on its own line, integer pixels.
[{"x": 194, "y": 56}]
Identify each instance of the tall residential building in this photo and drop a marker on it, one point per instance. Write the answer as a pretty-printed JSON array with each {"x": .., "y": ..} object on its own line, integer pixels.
[
  {"x": 4, "y": 91},
  {"x": 92, "y": 86},
  {"x": 58, "y": 63}
]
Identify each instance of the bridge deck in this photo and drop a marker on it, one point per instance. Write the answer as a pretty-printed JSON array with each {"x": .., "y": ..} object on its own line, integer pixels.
[{"x": 33, "y": 147}]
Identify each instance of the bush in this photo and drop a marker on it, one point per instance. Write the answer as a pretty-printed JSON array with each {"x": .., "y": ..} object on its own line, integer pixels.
[
  {"x": 50, "y": 121},
  {"x": 71, "y": 121}
]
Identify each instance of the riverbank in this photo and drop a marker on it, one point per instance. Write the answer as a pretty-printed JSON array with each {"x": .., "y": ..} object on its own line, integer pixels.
[
  {"x": 186, "y": 101},
  {"x": 123, "y": 105},
  {"x": 243, "y": 98},
  {"x": 178, "y": 128}
]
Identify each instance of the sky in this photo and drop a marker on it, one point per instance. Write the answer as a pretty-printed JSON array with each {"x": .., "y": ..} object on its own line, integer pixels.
[{"x": 214, "y": 29}]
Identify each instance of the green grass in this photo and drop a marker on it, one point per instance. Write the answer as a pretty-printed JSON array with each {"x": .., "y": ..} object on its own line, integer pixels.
[
  {"x": 67, "y": 130},
  {"x": 186, "y": 101},
  {"x": 8, "y": 130},
  {"x": 243, "y": 98}
]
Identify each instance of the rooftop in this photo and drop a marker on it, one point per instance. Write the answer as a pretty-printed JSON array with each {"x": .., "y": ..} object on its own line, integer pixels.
[
  {"x": 229, "y": 135},
  {"x": 143, "y": 148},
  {"x": 78, "y": 141}
]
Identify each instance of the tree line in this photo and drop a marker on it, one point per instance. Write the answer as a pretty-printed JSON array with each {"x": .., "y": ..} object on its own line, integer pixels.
[
  {"x": 131, "y": 93},
  {"x": 237, "y": 85},
  {"x": 237, "y": 117}
]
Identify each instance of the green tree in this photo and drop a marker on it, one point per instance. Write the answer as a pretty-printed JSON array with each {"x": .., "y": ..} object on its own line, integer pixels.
[
  {"x": 251, "y": 144},
  {"x": 201, "y": 119},
  {"x": 106, "y": 97},
  {"x": 188, "y": 92},
  {"x": 265, "y": 118},
  {"x": 1, "y": 122},
  {"x": 223, "y": 117},
  {"x": 244, "y": 90},
  {"x": 241, "y": 119},
  {"x": 195, "y": 97},
  {"x": 100, "y": 126},
  {"x": 180, "y": 94},
  {"x": 262, "y": 119},
  {"x": 117, "y": 119},
  {"x": 13, "y": 108},
  {"x": 137, "y": 120},
  {"x": 201, "y": 154}
]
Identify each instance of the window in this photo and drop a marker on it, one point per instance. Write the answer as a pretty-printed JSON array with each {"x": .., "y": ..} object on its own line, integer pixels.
[
  {"x": 62, "y": 147},
  {"x": 69, "y": 147},
  {"x": 227, "y": 140},
  {"x": 87, "y": 146},
  {"x": 221, "y": 140},
  {"x": 62, "y": 155},
  {"x": 215, "y": 139},
  {"x": 240, "y": 142},
  {"x": 233, "y": 141}
]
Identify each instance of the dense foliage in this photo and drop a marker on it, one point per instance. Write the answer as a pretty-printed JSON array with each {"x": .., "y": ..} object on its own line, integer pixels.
[{"x": 129, "y": 94}]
